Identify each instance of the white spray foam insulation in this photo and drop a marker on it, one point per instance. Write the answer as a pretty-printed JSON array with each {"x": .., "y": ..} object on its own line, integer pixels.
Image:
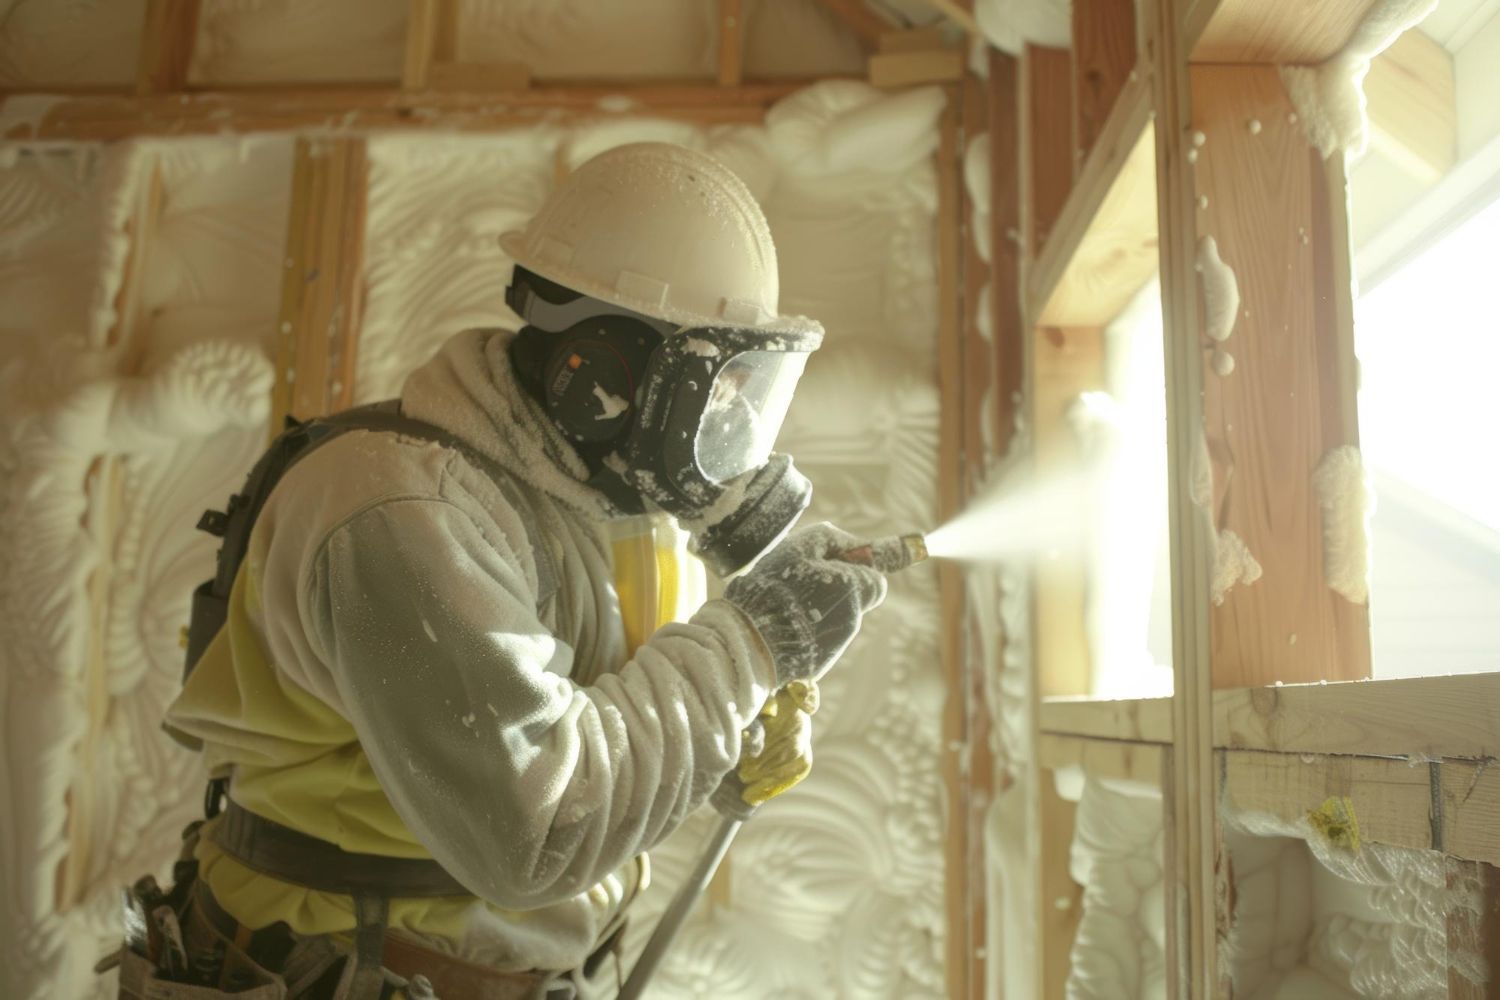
[
  {"x": 1234, "y": 563},
  {"x": 70, "y": 42},
  {"x": 1119, "y": 949},
  {"x": 1314, "y": 919},
  {"x": 1221, "y": 291},
  {"x": 1329, "y": 97},
  {"x": 174, "y": 433},
  {"x": 277, "y": 41},
  {"x": 264, "y": 41},
  {"x": 1347, "y": 498}
]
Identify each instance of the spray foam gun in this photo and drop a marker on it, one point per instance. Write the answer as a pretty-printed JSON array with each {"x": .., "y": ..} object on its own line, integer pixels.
[{"x": 888, "y": 555}]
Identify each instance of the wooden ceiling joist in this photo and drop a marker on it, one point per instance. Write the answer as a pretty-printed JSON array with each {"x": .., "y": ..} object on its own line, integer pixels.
[{"x": 111, "y": 117}]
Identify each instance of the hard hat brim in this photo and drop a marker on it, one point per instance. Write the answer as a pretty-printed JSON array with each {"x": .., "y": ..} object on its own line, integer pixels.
[{"x": 514, "y": 245}]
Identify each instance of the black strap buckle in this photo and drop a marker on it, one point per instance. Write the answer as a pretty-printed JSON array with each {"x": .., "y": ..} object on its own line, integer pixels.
[{"x": 215, "y": 522}]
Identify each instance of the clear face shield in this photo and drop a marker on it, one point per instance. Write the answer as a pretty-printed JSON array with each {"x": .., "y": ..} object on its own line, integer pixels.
[{"x": 714, "y": 403}]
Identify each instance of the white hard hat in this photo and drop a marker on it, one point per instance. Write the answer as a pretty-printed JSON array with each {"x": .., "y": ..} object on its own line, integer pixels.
[{"x": 661, "y": 230}]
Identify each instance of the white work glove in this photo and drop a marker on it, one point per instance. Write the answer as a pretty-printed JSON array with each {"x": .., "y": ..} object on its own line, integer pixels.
[{"x": 806, "y": 603}]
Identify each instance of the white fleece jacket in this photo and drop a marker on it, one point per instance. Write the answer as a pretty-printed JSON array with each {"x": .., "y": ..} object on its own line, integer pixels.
[{"x": 503, "y": 724}]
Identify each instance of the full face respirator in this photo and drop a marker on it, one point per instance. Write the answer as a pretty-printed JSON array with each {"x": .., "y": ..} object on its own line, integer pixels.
[{"x": 675, "y": 419}]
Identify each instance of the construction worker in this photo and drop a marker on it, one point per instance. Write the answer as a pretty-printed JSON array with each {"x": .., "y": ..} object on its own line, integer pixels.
[{"x": 444, "y": 716}]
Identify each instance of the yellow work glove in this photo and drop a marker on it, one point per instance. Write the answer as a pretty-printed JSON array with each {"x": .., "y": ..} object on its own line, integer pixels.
[{"x": 786, "y": 756}]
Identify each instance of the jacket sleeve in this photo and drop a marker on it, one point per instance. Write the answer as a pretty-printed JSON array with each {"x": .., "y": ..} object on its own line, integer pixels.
[{"x": 528, "y": 788}]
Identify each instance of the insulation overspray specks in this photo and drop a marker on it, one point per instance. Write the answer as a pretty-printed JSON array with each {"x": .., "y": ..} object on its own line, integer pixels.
[{"x": 1221, "y": 291}]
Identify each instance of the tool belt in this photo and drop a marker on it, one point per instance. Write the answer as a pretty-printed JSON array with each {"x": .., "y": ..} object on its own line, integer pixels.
[{"x": 182, "y": 945}]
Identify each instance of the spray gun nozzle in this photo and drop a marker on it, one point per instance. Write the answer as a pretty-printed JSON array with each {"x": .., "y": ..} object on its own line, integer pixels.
[{"x": 890, "y": 555}]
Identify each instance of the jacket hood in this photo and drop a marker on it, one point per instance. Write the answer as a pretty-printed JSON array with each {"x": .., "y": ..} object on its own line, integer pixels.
[{"x": 470, "y": 390}]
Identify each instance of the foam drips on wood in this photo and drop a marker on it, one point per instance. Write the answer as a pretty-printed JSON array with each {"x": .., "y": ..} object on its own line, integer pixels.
[
  {"x": 1330, "y": 97},
  {"x": 1221, "y": 291},
  {"x": 1347, "y": 498},
  {"x": 1234, "y": 563}
]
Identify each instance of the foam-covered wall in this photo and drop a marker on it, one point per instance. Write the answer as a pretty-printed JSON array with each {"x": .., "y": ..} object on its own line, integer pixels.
[
  {"x": 1119, "y": 949},
  {"x": 111, "y": 452}
]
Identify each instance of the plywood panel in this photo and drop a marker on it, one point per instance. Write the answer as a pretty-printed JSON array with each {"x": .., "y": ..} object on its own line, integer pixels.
[{"x": 1263, "y": 195}]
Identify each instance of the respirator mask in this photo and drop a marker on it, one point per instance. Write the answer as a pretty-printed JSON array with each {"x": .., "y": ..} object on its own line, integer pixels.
[{"x": 676, "y": 419}]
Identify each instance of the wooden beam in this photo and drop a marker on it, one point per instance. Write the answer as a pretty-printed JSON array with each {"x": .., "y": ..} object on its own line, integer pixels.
[
  {"x": 1290, "y": 398},
  {"x": 431, "y": 38},
  {"x": 1010, "y": 335},
  {"x": 1191, "y": 925},
  {"x": 166, "y": 52},
  {"x": 950, "y": 582},
  {"x": 861, "y": 19},
  {"x": 107, "y": 118},
  {"x": 481, "y": 78},
  {"x": 1140, "y": 762},
  {"x": 1418, "y": 718},
  {"x": 1046, "y": 141},
  {"x": 1146, "y": 720},
  {"x": 731, "y": 44},
  {"x": 322, "y": 291},
  {"x": 1104, "y": 57},
  {"x": 1412, "y": 107},
  {"x": 1254, "y": 31},
  {"x": 909, "y": 69},
  {"x": 1103, "y": 247},
  {"x": 1060, "y": 904},
  {"x": 1065, "y": 363}
]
